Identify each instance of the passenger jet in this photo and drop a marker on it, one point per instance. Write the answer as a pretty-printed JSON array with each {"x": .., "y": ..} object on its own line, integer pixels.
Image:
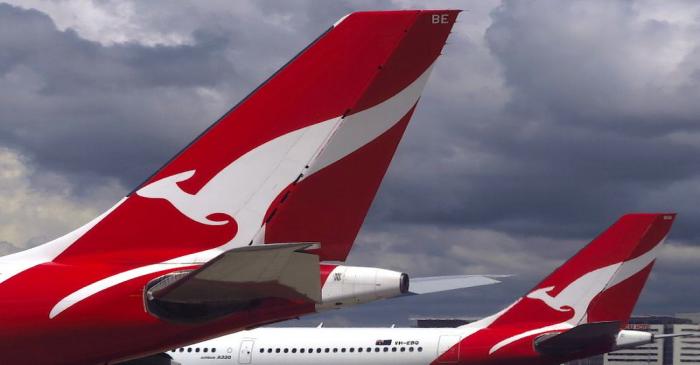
[
  {"x": 578, "y": 311},
  {"x": 230, "y": 233}
]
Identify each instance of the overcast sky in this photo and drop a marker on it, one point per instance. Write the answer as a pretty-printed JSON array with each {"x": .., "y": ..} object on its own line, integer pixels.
[{"x": 543, "y": 122}]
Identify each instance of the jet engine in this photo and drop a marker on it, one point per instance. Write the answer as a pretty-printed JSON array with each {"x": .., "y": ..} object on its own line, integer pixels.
[
  {"x": 629, "y": 339},
  {"x": 349, "y": 285}
]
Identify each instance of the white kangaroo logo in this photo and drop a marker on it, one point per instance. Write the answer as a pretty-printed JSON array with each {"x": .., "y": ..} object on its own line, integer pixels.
[
  {"x": 578, "y": 295},
  {"x": 245, "y": 188}
]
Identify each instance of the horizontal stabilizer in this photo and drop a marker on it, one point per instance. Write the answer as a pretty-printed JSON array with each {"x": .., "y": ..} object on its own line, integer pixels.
[
  {"x": 238, "y": 279},
  {"x": 434, "y": 284},
  {"x": 586, "y": 338}
]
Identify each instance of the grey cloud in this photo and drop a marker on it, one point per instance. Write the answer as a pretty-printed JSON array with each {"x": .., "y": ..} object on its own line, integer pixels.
[
  {"x": 7, "y": 248},
  {"x": 65, "y": 98},
  {"x": 580, "y": 133}
]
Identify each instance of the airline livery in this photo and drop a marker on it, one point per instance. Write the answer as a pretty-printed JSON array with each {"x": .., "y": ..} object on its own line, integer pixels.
[
  {"x": 578, "y": 311},
  {"x": 228, "y": 235}
]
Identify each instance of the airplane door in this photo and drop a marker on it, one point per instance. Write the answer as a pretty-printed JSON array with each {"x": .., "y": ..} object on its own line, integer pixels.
[
  {"x": 448, "y": 349},
  {"x": 245, "y": 352}
]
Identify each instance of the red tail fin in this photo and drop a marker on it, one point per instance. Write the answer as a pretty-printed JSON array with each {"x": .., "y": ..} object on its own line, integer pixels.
[
  {"x": 301, "y": 157},
  {"x": 331, "y": 200},
  {"x": 600, "y": 283}
]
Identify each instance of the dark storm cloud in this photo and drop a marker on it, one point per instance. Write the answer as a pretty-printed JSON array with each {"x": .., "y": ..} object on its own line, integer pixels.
[
  {"x": 585, "y": 134},
  {"x": 63, "y": 99}
]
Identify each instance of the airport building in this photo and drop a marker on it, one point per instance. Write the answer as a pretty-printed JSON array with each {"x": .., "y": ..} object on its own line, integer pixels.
[{"x": 669, "y": 351}]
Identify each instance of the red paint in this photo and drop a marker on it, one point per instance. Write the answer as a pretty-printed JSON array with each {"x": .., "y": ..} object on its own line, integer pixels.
[
  {"x": 330, "y": 205},
  {"x": 326, "y": 272},
  {"x": 618, "y": 301},
  {"x": 145, "y": 231}
]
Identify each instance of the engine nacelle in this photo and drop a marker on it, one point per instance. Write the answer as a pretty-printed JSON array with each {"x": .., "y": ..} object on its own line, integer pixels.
[
  {"x": 349, "y": 285},
  {"x": 629, "y": 339}
]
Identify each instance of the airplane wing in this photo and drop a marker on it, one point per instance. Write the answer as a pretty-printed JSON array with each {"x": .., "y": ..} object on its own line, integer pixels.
[
  {"x": 435, "y": 284},
  {"x": 237, "y": 279},
  {"x": 241, "y": 278}
]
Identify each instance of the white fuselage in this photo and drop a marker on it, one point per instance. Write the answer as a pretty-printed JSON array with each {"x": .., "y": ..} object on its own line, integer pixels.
[{"x": 323, "y": 346}]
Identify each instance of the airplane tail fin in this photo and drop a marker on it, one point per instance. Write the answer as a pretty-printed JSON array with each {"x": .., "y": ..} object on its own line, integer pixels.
[
  {"x": 299, "y": 159},
  {"x": 601, "y": 283},
  {"x": 330, "y": 200}
]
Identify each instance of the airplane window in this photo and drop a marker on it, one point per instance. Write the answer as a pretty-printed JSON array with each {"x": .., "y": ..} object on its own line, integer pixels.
[
  {"x": 359, "y": 349},
  {"x": 342, "y": 350},
  {"x": 410, "y": 349},
  {"x": 181, "y": 349},
  {"x": 335, "y": 350},
  {"x": 369, "y": 349},
  {"x": 393, "y": 349},
  {"x": 196, "y": 350},
  {"x": 302, "y": 350},
  {"x": 206, "y": 349},
  {"x": 376, "y": 349},
  {"x": 352, "y": 349},
  {"x": 420, "y": 349},
  {"x": 318, "y": 350},
  {"x": 286, "y": 351},
  {"x": 269, "y": 350},
  {"x": 327, "y": 349},
  {"x": 189, "y": 349},
  {"x": 294, "y": 351},
  {"x": 403, "y": 349},
  {"x": 262, "y": 350},
  {"x": 386, "y": 349},
  {"x": 277, "y": 351},
  {"x": 311, "y": 350},
  {"x": 213, "y": 349}
]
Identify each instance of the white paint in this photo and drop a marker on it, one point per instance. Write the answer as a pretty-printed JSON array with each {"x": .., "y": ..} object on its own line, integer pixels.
[
  {"x": 340, "y": 20},
  {"x": 315, "y": 338},
  {"x": 634, "y": 266},
  {"x": 103, "y": 284},
  {"x": 578, "y": 295},
  {"x": 359, "y": 129}
]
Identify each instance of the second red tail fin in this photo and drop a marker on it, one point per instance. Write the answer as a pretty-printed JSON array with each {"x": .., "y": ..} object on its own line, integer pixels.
[{"x": 601, "y": 282}]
